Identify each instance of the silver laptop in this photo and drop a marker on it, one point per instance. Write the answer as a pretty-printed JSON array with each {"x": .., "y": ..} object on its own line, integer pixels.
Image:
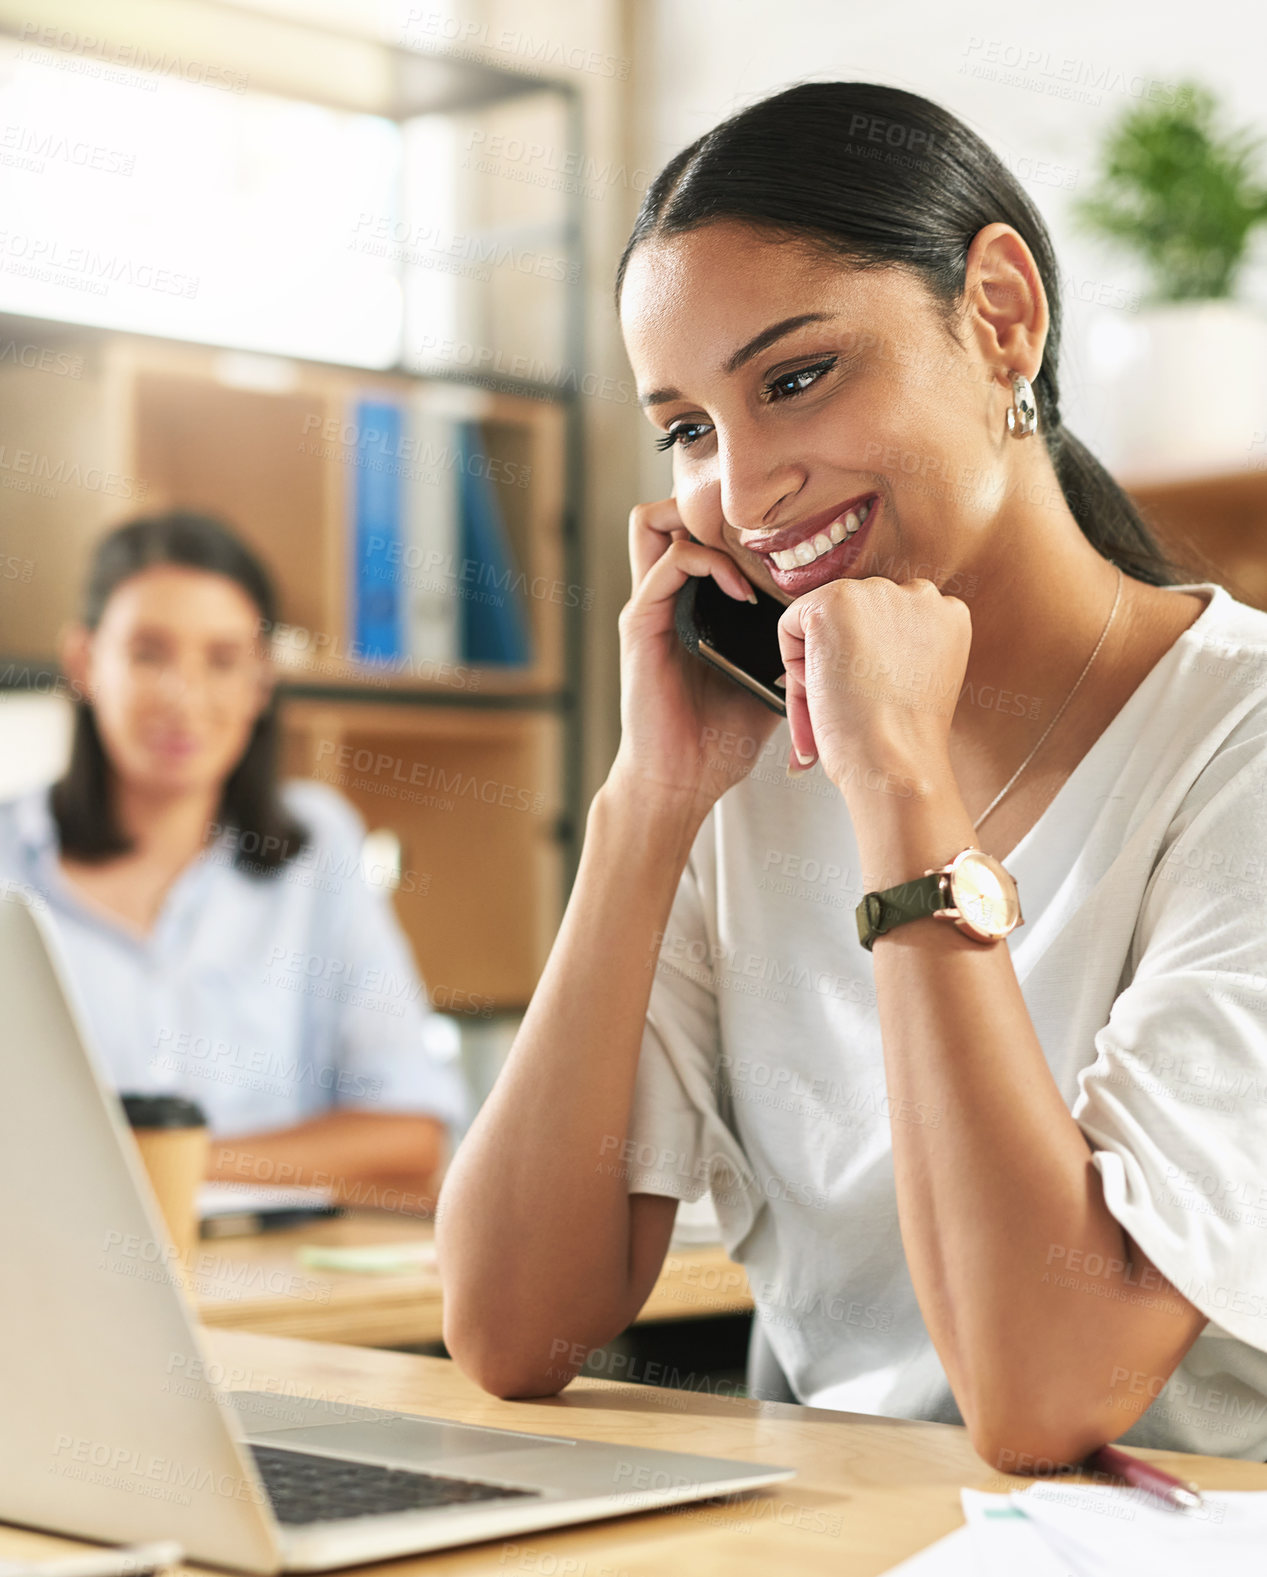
[{"x": 114, "y": 1426}]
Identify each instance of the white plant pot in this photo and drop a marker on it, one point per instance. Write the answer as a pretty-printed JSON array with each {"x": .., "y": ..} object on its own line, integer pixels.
[{"x": 1187, "y": 390}]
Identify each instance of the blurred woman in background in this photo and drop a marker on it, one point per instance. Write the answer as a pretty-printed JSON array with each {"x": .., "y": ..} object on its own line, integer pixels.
[{"x": 221, "y": 933}]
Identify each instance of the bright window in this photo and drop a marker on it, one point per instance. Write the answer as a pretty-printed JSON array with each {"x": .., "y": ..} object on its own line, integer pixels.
[{"x": 136, "y": 201}]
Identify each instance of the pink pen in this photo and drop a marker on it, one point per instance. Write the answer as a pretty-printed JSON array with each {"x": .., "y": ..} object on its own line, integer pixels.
[{"x": 1143, "y": 1475}]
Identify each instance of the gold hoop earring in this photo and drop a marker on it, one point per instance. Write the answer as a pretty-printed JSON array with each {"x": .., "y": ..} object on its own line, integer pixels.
[{"x": 1022, "y": 414}]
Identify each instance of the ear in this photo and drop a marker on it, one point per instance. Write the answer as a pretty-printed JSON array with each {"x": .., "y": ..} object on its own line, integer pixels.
[
  {"x": 1005, "y": 304},
  {"x": 74, "y": 653}
]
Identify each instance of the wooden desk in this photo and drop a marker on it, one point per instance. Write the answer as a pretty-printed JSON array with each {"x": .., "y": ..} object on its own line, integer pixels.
[
  {"x": 869, "y": 1493},
  {"x": 260, "y": 1284}
]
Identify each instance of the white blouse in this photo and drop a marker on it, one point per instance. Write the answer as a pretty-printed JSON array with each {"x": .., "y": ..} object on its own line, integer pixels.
[{"x": 1143, "y": 963}]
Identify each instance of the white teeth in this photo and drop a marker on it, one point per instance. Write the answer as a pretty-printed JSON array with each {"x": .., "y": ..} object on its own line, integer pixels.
[{"x": 823, "y": 542}]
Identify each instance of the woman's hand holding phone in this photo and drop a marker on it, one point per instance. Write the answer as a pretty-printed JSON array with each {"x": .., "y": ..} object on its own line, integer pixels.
[{"x": 687, "y": 733}]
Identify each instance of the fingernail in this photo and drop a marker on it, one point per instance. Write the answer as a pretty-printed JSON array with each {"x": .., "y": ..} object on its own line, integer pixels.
[
  {"x": 781, "y": 682},
  {"x": 752, "y": 596},
  {"x": 806, "y": 761}
]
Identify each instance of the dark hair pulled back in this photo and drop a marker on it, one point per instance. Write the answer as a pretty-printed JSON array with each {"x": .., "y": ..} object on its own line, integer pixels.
[{"x": 880, "y": 177}]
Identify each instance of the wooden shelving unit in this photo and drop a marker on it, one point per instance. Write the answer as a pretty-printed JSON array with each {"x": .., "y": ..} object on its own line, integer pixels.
[
  {"x": 465, "y": 764},
  {"x": 475, "y": 769},
  {"x": 261, "y": 460}
]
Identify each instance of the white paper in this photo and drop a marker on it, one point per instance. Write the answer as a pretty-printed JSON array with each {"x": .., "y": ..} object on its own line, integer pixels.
[
  {"x": 1082, "y": 1530},
  {"x": 1121, "y": 1532},
  {"x": 1008, "y": 1542}
]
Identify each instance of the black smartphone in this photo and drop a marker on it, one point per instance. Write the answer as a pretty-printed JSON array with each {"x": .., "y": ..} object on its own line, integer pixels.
[{"x": 739, "y": 639}]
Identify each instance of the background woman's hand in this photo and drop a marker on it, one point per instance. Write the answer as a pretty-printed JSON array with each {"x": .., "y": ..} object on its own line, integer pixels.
[
  {"x": 686, "y": 731},
  {"x": 874, "y": 671}
]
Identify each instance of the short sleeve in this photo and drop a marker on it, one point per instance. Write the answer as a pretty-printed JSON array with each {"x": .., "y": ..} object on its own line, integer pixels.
[
  {"x": 1175, "y": 1103},
  {"x": 680, "y": 1142},
  {"x": 392, "y": 1050}
]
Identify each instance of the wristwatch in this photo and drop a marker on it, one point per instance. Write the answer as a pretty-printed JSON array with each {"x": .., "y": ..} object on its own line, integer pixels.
[{"x": 974, "y": 892}]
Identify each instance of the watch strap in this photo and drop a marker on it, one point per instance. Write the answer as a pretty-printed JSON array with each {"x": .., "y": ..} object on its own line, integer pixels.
[{"x": 881, "y": 911}]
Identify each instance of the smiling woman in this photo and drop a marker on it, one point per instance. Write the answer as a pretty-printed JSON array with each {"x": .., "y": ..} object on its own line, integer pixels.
[
  {"x": 947, "y": 1153},
  {"x": 218, "y": 925}
]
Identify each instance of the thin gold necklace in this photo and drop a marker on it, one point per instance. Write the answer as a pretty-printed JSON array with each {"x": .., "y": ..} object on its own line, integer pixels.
[{"x": 1063, "y": 705}]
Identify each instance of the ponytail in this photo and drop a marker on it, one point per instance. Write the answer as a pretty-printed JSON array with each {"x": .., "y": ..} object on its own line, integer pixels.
[{"x": 1109, "y": 518}]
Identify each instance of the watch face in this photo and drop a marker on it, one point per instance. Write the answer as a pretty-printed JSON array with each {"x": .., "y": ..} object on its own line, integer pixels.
[{"x": 984, "y": 893}]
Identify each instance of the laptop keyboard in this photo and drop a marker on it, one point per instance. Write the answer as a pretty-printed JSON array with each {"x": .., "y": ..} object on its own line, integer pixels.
[{"x": 307, "y": 1488}]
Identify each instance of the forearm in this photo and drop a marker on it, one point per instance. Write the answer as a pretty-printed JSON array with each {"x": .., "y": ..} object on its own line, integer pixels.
[
  {"x": 533, "y": 1228},
  {"x": 998, "y": 1192},
  {"x": 372, "y": 1159}
]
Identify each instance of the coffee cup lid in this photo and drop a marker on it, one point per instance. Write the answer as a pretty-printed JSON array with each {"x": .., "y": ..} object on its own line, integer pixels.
[{"x": 163, "y": 1111}]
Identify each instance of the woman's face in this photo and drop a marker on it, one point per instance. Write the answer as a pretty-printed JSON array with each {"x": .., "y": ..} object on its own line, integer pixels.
[
  {"x": 799, "y": 391},
  {"x": 177, "y": 674}
]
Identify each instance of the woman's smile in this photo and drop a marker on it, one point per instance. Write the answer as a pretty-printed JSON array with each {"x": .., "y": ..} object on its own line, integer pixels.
[
  {"x": 801, "y": 558},
  {"x": 173, "y": 745}
]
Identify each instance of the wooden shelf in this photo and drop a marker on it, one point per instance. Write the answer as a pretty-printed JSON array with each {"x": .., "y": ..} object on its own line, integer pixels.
[
  {"x": 162, "y": 420},
  {"x": 470, "y": 684},
  {"x": 316, "y": 62},
  {"x": 477, "y": 687},
  {"x": 276, "y": 465}
]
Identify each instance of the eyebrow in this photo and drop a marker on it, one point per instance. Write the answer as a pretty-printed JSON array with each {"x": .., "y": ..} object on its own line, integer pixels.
[
  {"x": 163, "y": 632},
  {"x": 745, "y": 353}
]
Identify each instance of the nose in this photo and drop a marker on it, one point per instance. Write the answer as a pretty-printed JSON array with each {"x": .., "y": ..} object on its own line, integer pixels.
[
  {"x": 756, "y": 484},
  {"x": 184, "y": 682}
]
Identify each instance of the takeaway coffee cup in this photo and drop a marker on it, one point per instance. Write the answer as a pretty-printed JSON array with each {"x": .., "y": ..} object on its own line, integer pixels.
[{"x": 171, "y": 1134}]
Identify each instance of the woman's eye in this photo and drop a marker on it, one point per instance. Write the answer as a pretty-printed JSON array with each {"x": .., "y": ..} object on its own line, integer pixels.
[
  {"x": 792, "y": 383},
  {"x": 674, "y": 434},
  {"x": 784, "y": 387}
]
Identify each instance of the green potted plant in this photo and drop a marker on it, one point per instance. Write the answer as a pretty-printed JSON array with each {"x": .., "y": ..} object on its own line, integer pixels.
[{"x": 1189, "y": 372}]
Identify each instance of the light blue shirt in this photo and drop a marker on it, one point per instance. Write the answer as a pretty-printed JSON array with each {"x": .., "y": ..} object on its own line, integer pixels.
[{"x": 267, "y": 999}]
